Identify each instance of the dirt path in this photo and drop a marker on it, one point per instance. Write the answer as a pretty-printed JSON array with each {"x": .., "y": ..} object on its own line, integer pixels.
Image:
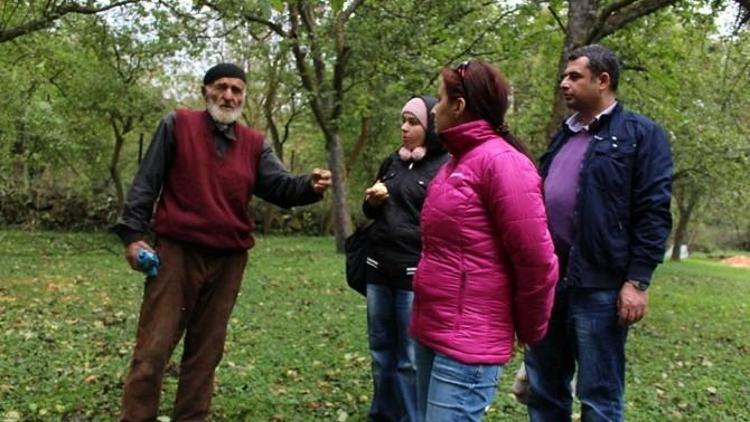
[{"x": 737, "y": 261}]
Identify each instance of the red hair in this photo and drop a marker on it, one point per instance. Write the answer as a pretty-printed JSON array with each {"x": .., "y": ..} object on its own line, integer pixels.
[{"x": 486, "y": 93}]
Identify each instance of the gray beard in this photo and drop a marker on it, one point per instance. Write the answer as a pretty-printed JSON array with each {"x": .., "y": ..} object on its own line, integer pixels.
[{"x": 221, "y": 116}]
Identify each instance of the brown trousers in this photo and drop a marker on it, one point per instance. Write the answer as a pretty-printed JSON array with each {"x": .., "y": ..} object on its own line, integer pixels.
[{"x": 193, "y": 294}]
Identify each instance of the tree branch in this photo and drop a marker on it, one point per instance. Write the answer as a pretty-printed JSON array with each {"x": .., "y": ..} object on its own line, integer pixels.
[
  {"x": 476, "y": 41},
  {"x": 314, "y": 44},
  {"x": 249, "y": 17},
  {"x": 346, "y": 14},
  {"x": 311, "y": 87},
  {"x": 342, "y": 57},
  {"x": 618, "y": 18},
  {"x": 615, "y": 7},
  {"x": 287, "y": 126},
  {"x": 557, "y": 19},
  {"x": 50, "y": 16}
]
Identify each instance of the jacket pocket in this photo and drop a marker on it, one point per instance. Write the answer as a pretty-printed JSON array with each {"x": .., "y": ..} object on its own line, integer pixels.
[
  {"x": 618, "y": 241},
  {"x": 605, "y": 243},
  {"x": 611, "y": 164}
]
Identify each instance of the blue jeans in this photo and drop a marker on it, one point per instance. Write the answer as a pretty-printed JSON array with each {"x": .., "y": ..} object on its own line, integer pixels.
[
  {"x": 392, "y": 351},
  {"x": 448, "y": 390},
  {"x": 583, "y": 330}
]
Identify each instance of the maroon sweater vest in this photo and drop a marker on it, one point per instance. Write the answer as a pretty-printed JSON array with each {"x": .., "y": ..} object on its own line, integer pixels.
[{"x": 205, "y": 198}]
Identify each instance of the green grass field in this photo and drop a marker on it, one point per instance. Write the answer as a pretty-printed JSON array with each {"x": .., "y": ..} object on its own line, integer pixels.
[{"x": 297, "y": 350}]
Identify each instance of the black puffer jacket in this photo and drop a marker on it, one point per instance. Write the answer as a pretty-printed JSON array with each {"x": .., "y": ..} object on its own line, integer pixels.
[{"x": 394, "y": 238}]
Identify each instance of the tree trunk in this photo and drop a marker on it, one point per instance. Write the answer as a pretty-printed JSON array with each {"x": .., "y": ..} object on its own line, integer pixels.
[
  {"x": 587, "y": 24},
  {"x": 114, "y": 172},
  {"x": 341, "y": 216},
  {"x": 20, "y": 174},
  {"x": 581, "y": 15},
  {"x": 325, "y": 98},
  {"x": 364, "y": 136},
  {"x": 269, "y": 101},
  {"x": 278, "y": 147},
  {"x": 680, "y": 234},
  {"x": 686, "y": 208}
]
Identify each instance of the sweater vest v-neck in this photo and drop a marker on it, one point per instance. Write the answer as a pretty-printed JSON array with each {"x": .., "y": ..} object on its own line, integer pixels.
[{"x": 205, "y": 197}]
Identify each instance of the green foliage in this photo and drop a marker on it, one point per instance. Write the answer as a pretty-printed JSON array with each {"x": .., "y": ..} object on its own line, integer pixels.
[
  {"x": 692, "y": 83},
  {"x": 297, "y": 347},
  {"x": 72, "y": 88},
  {"x": 75, "y": 93}
]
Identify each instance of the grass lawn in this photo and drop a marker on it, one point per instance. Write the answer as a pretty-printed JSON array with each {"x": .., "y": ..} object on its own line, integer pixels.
[{"x": 297, "y": 349}]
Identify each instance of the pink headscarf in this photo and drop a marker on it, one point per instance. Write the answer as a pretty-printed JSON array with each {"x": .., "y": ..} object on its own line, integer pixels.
[{"x": 417, "y": 107}]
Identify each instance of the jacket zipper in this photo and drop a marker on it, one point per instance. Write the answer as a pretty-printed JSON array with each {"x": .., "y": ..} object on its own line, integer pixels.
[
  {"x": 461, "y": 289},
  {"x": 460, "y": 313}
]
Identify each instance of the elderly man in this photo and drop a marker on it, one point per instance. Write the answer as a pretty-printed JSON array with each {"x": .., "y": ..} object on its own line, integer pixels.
[
  {"x": 607, "y": 185},
  {"x": 203, "y": 167}
]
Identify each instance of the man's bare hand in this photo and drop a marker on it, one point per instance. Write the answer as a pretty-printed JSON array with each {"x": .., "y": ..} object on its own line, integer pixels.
[
  {"x": 131, "y": 252},
  {"x": 631, "y": 304},
  {"x": 320, "y": 179}
]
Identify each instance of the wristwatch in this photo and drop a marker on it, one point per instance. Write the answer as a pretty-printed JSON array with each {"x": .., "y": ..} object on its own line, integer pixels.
[{"x": 639, "y": 285}]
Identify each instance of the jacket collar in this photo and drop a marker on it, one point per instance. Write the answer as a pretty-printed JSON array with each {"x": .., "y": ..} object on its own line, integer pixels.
[
  {"x": 575, "y": 125},
  {"x": 600, "y": 121},
  {"x": 464, "y": 137}
]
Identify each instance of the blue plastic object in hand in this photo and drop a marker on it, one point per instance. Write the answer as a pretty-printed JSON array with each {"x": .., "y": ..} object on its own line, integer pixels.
[{"x": 148, "y": 262}]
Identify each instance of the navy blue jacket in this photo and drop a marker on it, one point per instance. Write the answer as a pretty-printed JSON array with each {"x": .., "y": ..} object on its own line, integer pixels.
[{"x": 622, "y": 218}]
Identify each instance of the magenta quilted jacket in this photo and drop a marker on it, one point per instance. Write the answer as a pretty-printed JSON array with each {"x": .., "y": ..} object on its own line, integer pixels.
[{"x": 488, "y": 268}]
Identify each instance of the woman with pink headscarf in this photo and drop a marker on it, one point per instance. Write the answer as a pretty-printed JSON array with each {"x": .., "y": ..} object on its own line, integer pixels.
[{"x": 394, "y": 202}]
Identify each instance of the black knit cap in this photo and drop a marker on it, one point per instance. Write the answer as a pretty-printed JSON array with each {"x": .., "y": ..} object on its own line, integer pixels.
[{"x": 223, "y": 70}]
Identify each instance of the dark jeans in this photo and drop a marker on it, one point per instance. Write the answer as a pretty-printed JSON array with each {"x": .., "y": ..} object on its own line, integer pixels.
[
  {"x": 392, "y": 351},
  {"x": 583, "y": 330},
  {"x": 193, "y": 294}
]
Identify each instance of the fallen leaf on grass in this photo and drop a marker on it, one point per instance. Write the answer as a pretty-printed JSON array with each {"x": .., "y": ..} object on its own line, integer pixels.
[
  {"x": 314, "y": 405},
  {"x": 53, "y": 287},
  {"x": 293, "y": 374},
  {"x": 279, "y": 390},
  {"x": 11, "y": 416}
]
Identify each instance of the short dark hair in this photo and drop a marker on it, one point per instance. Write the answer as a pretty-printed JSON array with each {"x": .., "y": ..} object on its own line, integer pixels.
[{"x": 601, "y": 59}]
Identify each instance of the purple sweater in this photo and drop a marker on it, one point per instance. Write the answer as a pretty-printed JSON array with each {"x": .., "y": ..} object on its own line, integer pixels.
[{"x": 561, "y": 188}]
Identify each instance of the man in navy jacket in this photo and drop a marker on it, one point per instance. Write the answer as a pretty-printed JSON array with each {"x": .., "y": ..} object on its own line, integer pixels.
[{"x": 607, "y": 184}]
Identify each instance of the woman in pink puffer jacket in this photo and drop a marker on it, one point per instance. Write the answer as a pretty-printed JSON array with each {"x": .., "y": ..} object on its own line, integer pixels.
[{"x": 488, "y": 270}]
